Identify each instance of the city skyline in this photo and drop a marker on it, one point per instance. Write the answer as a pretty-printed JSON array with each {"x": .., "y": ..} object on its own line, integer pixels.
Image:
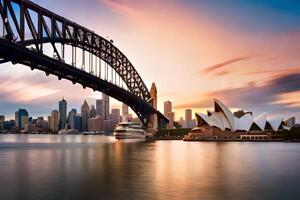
[{"x": 215, "y": 66}]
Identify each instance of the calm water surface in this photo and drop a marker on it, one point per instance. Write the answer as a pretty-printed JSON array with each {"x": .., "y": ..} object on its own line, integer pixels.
[{"x": 96, "y": 167}]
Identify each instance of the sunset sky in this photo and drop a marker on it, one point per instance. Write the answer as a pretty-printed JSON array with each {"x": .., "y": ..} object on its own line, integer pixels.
[{"x": 244, "y": 53}]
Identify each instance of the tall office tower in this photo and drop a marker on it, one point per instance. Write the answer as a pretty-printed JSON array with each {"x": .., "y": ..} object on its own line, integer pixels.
[
  {"x": 115, "y": 115},
  {"x": 54, "y": 121},
  {"x": 171, "y": 120},
  {"x": 188, "y": 118},
  {"x": 105, "y": 106},
  {"x": 17, "y": 119},
  {"x": 76, "y": 122},
  {"x": 72, "y": 112},
  {"x": 62, "y": 113},
  {"x": 168, "y": 109},
  {"x": 85, "y": 114},
  {"x": 125, "y": 111},
  {"x": 2, "y": 120},
  {"x": 99, "y": 107},
  {"x": 20, "y": 114},
  {"x": 25, "y": 121},
  {"x": 93, "y": 112}
]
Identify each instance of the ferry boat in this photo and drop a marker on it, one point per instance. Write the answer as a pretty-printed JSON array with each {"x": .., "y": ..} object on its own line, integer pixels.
[{"x": 129, "y": 130}]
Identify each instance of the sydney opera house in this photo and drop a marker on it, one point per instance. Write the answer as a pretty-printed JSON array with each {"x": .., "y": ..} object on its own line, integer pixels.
[{"x": 223, "y": 124}]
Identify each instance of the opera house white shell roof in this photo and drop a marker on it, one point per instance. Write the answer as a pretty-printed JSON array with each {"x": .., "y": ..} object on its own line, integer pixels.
[{"x": 224, "y": 119}]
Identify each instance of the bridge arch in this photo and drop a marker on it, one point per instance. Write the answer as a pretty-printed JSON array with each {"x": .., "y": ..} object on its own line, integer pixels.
[{"x": 27, "y": 27}]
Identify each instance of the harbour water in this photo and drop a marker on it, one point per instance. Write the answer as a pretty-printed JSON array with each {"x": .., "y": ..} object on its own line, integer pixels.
[{"x": 99, "y": 167}]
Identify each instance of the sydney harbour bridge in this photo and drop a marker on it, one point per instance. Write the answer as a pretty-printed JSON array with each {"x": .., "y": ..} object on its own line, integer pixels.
[{"x": 40, "y": 39}]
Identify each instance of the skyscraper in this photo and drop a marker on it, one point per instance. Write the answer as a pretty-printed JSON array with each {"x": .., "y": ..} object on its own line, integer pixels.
[
  {"x": 85, "y": 114},
  {"x": 99, "y": 107},
  {"x": 2, "y": 120},
  {"x": 124, "y": 111},
  {"x": 168, "y": 109},
  {"x": 93, "y": 112},
  {"x": 62, "y": 113},
  {"x": 54, "y": 121},
  {"x": 76, "y": 122},
  {"x": 115, "y": 115},
  {"x": 105, "y": 106},
  {"x": 188, "y": 118},
  {"x": 25, "y": 121},
  {"x": 73, "y": 111},
  {"x": 17, "y": 119},
  {"x": 18, "y": 115}
]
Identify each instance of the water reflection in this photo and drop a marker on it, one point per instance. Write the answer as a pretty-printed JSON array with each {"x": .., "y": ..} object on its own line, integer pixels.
[{"x": 96, "y": 167}]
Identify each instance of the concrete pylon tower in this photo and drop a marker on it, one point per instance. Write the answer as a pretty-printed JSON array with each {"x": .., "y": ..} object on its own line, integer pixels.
[{"x": 153, "y": 124}]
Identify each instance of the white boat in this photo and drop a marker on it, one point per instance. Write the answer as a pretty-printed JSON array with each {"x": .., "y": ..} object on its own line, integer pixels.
[{"x": 129, "y": 130}]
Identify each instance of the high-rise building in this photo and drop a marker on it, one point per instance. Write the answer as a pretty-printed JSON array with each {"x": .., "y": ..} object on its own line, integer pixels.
[
  {"x": 85, "y": 114},
  {"x": 105, "y": 106},
  {"x": 76, "y": 122},
  {"x": 54, "y": 121},
  {"x": 93, "y": 112},
  {"x": 73, "y": 111},
  {"x": 25, "y": 121},
  {"x": 2, "y": 120},
  {"x": 171, "y": 120},
  {"x": 62, "y": 113},
  {"x": 96, "y": 124},
  {"x": 99, "y": 107},
  {"x": 18, "y": 117},
  {"x": 115, "y": 116},
  {"x": 124, "y": 111},
  {"x": 41, "y": 123},
  {"x": 188, "y": 118},
  {"x": 168, "y": 109}
]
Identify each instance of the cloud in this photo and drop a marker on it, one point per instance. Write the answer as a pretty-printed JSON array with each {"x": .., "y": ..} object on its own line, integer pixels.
[
  {"x": 268, "y": 97},
  {"x": 121, "y": 7},
  {"x": 225, "y": 63}
]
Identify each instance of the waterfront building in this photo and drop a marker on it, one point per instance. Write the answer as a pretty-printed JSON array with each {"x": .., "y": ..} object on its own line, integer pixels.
[
  {"x": 62, "y": 113},
  {"x": 24, "y": 121},
  {"x": 182, "y": 122},
  {"x": 76, "y": 122},
  {"x": 167, "y": 108},
  {"x": 108, "y": 126},
  {"x": 85, "y": 114},
  {"x": 54, "y": 121},
  {"x": 99, "y": 107},
  {"x": 188, "y": 118},
  {"x": 223, "y": 124},
  {"x": 41, "y": 123},
  {"x": 93, "y": 112},
  {"x": 115, "y": 114},
  {"x": 73, "y": 111},
  {"x": 2, "y": 120},
  {"x": 125, "y": 112},
  {"x": 105, "y": 106},
  {"x": 18, "y": 117},
  {"x": 8, "y": 125},
  {"x": 171, "y": 120},
  {"x": 96, "y": 124}
]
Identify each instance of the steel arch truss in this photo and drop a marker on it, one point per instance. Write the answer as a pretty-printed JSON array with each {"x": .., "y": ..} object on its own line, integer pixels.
[{"x": 29, "y": 24}]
